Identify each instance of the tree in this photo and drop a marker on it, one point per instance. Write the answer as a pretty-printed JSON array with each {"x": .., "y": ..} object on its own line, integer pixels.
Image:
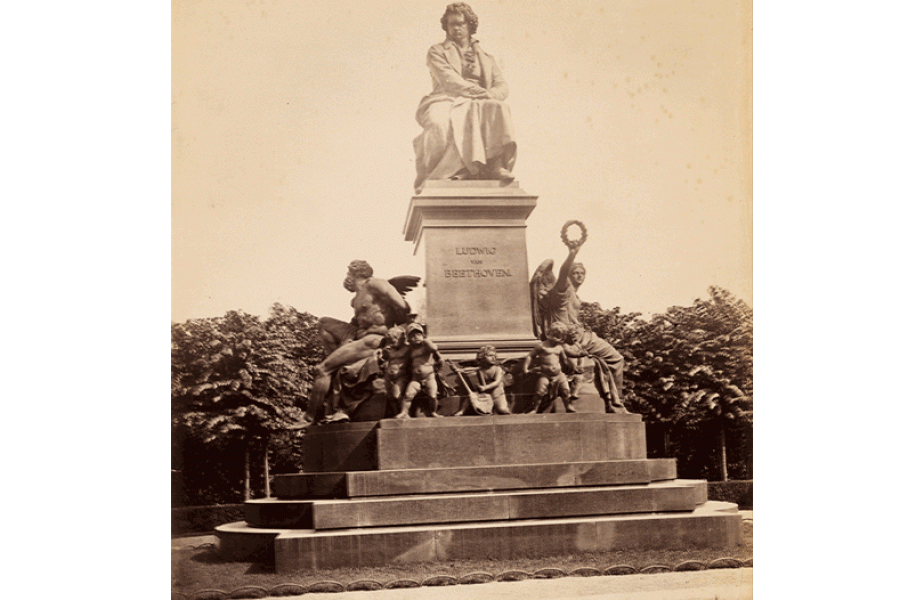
[
  {"x": 234, "y": 378},
  {"x": 689, "y": 370},
  {"x": 720, "y": 390},
  {"x": 295, "y": 336}
]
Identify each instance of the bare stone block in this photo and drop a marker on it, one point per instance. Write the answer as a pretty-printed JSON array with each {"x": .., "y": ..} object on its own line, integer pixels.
[
  {"x": 709, "y": 526},
  {"x": 662, "y": 468},
  {"x": 340, "y": 447},
  {"x": 508, "y": 439},
  {"x": 278, "y": 514},
  {"x": 409, "y": 510}
]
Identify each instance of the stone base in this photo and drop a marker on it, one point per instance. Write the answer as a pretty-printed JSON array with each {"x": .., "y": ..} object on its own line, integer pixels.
[
  {"x": 711, "y": 525},
  {"x": 432, "y": 443},
  {"x": 506, "y": 486},
  {"x": 357, "y": 484},
  {"x": 512, "y": 505}
]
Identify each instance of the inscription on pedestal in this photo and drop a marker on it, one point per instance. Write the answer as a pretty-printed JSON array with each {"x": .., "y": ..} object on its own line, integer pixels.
[
  {"x": 477, "y": 282},
  {"x": 476, "y": 257}
]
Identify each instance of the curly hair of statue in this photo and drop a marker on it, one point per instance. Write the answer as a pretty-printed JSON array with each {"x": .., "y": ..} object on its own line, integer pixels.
[
  {"x": 360, "y": 268},
  {"x": 486, "y": 351},
  {"x": 461, "y": 8}
]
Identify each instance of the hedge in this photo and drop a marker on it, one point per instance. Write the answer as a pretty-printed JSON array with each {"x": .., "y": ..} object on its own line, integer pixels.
[
  {"x": 739, "y": 492},
  {"x": 203, "y": 519}
]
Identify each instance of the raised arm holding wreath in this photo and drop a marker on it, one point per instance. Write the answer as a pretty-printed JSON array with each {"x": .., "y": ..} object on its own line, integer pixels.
[{"x": 556, "y": 301}]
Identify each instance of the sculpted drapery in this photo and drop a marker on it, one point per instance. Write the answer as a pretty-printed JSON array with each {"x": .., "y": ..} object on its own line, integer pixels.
[{"x": 466, "y": 127}]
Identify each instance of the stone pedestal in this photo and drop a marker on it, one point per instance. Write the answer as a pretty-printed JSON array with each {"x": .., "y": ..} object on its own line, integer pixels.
[
  {"x": 394, "y": 492},
  {"x": 476, "y": 264}
]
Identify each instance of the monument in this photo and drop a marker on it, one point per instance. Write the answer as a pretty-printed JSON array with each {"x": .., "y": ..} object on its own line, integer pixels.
[{"x": 524, "y": 462}]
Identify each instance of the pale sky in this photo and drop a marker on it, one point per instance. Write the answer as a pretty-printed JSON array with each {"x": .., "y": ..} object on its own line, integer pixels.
[{"x": 292, "y": 144}]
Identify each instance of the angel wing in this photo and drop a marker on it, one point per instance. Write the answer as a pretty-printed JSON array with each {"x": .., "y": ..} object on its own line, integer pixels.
[
  {"x": 404, "y": 283},
  {"x": 542, "y": 280}
]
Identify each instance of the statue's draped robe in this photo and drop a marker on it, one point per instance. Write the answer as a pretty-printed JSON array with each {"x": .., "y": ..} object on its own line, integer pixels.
[
  {"x": 461, "y": 134},
  {"x": 357, "y": 382}
]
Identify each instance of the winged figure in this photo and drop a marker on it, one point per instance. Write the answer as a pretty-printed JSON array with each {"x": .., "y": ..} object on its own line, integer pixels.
[
  {"x": 555, "y": 300},
  {"x": 378, "y": 305},
  {"x": 542, "y": 281}
]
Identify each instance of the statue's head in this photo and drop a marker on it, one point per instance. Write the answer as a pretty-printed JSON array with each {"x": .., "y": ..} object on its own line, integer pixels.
[
  {"x": 557, "y": 332},
  {"x": 487, "y": 355},
  {"x": 577, "y": 274},
  {"x": 461, "y": 8},
  {"x": 415, "y": 333},
  {"x": 395, "y": 337},
  {"x": 571, "y": 334},
  {"x": 358, "y": 269}
]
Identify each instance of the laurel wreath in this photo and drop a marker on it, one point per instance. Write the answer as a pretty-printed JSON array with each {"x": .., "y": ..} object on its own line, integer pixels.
[{"x": 564, "y": 234}]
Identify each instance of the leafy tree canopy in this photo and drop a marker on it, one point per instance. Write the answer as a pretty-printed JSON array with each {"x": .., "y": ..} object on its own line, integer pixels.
[
  {"x": 239, "y": 375},
  {"x": 688, "y": 365}
]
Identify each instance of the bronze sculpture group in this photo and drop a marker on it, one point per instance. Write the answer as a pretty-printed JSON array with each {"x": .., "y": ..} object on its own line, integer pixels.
[{"x": 384, "y": 349}]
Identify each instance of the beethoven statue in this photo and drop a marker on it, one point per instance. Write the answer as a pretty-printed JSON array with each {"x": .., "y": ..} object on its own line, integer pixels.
[{"x": 466, "y": 127}]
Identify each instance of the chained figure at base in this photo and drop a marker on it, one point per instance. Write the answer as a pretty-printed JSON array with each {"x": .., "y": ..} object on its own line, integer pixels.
[
  {"x": 424, "y": 358},
  {"x": 550, "y": 356}
]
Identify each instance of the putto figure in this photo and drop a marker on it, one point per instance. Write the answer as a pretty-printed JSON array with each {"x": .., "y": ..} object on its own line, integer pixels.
[
  {"x": 550, "y": 356},
  {"x": 490, "y": 379},
  {"x": 350, "y": 347},
  {"x": 424, "y": 358},
  {"x": 395, "y": 365},
  {"x": 556, "y": 301},
  {"x": 466, "y": 127},
  {"x": 491, "y": 393}
]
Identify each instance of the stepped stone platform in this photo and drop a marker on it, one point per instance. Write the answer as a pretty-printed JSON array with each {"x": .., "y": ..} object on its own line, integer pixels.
[{"x": 505, "y": 486}]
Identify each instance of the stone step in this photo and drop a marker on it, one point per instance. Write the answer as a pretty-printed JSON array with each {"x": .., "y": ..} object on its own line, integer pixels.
[
  {"x": 429, "y": 443},
  {"x": 353, "y": 484},
  {"x": 669, "y": 496},
  {"x": 710, "y": 525}
]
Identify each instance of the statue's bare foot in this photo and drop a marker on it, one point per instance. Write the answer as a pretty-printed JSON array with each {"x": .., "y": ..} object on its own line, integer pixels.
[
  {"x": 459, "y": 413},
  {"x": 402, "y": 416}
]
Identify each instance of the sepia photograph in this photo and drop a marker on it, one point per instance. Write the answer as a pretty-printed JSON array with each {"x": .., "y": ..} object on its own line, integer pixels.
[{"x": 462, "y": 293}]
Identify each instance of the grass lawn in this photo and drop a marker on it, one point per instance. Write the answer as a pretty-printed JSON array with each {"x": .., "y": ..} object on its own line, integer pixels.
[{"x": 199, "y": 569}]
